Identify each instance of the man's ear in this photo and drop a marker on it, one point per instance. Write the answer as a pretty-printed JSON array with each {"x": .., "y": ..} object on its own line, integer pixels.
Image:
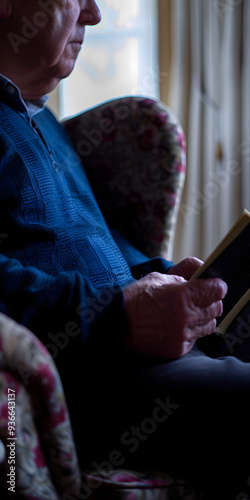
[{"x": 5, "y": 9}]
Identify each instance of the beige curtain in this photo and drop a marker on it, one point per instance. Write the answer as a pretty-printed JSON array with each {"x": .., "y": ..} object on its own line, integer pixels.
[{"x": 209, "y": 92}]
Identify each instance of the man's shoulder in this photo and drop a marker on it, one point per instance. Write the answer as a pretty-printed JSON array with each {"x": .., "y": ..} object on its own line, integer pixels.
[
  {"x": 13, "y": 120},
  {"x": 52, "y": 128},
  {"x": 10, "y": 123},
  {"x": 5, "y": 105},
  {"x": 8, "y": 110}
]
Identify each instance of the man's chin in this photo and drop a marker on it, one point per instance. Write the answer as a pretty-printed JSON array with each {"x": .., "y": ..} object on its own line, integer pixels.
[
  {"x": 56, "y": 74},
  {"x": 67, "y": 70}
]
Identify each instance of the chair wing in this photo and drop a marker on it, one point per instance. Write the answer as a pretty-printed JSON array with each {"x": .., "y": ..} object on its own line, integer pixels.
[{"x": 134, "y": 152}]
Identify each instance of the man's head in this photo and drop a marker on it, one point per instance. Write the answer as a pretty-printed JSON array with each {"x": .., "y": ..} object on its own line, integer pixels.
[{"x": 40, "y": 40}]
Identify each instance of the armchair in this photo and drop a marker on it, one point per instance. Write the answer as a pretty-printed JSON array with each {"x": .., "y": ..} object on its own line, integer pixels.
[{"x": 133, "y": 150}]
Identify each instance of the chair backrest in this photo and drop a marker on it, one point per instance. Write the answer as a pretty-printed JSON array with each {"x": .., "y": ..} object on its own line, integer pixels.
[{"x": 134, "y": 152}]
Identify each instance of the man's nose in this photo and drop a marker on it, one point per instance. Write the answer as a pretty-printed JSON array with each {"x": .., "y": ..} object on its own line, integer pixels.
[{"x": 90, "y": 13}]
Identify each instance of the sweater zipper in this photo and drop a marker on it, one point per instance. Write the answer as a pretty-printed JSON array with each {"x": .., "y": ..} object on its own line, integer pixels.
[{"x": 38, "y": 133}]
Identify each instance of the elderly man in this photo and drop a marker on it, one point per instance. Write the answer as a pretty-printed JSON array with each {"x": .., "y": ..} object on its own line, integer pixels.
[{"x": 59, "y": 256}]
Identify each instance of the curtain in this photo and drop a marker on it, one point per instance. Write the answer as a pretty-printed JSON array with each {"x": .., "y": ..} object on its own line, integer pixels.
[{"x": 210, "y": 94}]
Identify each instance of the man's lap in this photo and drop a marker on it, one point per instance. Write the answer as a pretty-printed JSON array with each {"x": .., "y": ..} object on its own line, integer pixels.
[
  {"x": 188, "y": 416},
  {"x": 196, "y": 372},
  {"x": 192, "y": 389}
]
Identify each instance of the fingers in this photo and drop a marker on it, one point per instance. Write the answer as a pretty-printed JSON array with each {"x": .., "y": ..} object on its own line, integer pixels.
[
  {"x": 162, "y": 279},
  {"x": 186, "y": 267},
  {"x": 207, "y": 296},
  {"x": 197, "y": 331},
  {"x": 166, "y": 314},
  {"x": 207, "y": 291},
  {"x": 193, "y": 265},
  {"x": 212, "y": 311}
]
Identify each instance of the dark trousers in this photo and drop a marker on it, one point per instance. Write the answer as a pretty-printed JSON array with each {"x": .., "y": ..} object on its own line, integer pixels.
[{"x": 189, "y": 416}]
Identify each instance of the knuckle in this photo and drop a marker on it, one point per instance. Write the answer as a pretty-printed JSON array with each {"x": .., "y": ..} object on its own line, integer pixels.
[
  {"x": 153, "y": 275},
  {"x": 211, "y": 327},
  {"x": 220, "y": 308}
]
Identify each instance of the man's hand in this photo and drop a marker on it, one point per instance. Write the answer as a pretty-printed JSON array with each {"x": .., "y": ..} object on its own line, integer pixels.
[
  {"x": 167, "y": 314},
  {"x": 186, "y": 268}
]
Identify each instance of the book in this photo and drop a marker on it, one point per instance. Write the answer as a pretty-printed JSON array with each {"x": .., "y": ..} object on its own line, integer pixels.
[{"x": 230, "y": 261}]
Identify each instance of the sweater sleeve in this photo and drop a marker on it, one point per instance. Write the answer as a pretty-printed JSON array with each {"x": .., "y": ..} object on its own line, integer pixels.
[
  {"x": 83, "y": 328},
  {"x": 66, "y": 312},
  {"x": 41, "y": 215},
  {"x": 140, "y": 265}
]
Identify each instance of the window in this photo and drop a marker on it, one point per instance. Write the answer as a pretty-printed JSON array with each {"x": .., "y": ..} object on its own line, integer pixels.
[{"x": 119, "y": 57}]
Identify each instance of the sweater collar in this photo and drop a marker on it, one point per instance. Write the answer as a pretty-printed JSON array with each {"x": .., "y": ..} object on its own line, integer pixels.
[{"x": 31, "y": 107}]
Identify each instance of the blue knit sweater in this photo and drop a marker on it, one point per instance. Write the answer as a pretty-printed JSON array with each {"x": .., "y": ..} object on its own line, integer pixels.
[{"x": 61, "y": 270}]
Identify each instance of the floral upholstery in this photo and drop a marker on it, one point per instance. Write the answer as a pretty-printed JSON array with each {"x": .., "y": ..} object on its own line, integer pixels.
[
  {"x": 31, "y": 397},
  {"x": 134, "y": 149},
  {"x": 134, "y": 152},
  {"x": 36, "y": 433}
]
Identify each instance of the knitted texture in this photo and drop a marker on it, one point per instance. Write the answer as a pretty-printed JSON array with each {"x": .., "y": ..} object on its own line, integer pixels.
[{"x": 48, "y": 210}]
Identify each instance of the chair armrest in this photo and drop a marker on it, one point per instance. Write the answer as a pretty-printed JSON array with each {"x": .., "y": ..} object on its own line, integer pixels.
[
  {"x": 31, "y": 396},
  {"x": 42, "y": 446},
  {"x": 134, "y": 152},
  {"x": 31, "y": 475}
]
